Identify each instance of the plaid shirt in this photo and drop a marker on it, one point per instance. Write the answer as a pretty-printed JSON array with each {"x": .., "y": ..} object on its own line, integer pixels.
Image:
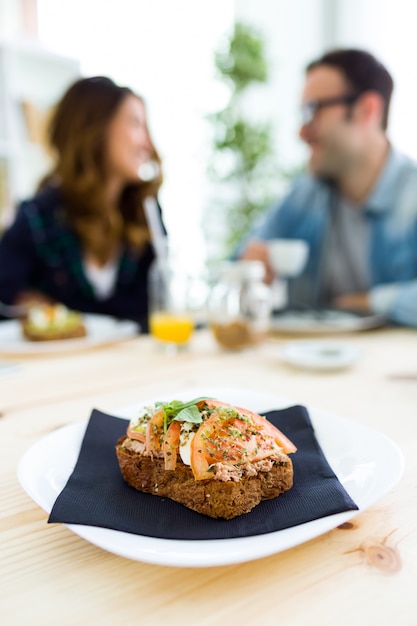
[{"x": 41, "y": 252}]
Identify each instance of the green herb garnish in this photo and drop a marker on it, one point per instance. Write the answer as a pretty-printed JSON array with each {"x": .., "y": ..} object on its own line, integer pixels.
[
  {"x": 181, "y": 411},
  {"x": 189, "y": 414}
]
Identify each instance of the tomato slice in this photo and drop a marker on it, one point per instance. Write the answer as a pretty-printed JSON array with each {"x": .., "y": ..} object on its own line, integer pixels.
[
  {"x": 155, "y": 432},
  {"x": 282, "y": 440},
  {"x": 233, "y": 437},
  {"x": 171, "y": 445}
]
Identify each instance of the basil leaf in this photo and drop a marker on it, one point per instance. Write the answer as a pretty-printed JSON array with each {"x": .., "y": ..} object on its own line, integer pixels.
[
  {"x": 176, "y": 407},
  {"x": 189, "y": 414}
]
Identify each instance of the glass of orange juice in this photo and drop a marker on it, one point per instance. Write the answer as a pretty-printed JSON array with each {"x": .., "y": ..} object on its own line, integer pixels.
[{"x": 171, "y": 322}]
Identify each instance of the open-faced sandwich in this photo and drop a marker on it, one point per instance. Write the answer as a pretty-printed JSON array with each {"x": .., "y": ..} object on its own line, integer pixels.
[
  {"x": 48, "y": 322},
  {"x": 210, "y": 456}
]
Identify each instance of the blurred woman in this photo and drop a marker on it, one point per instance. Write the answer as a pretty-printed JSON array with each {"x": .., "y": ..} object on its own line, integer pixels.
[{"x": 83, "y": 239}]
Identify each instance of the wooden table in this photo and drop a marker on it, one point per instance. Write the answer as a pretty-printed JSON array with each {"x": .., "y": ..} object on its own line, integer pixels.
[{"x": 363, "y": 573}]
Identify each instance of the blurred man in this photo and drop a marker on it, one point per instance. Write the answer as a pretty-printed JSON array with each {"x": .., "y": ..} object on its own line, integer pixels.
[{"x": 357, "y": 207}]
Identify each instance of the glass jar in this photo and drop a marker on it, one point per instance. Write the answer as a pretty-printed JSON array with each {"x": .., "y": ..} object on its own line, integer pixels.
[{"x": 240, "y": 305}]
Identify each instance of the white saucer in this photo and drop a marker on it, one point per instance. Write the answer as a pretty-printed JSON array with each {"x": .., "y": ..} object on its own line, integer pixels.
[
  {"x": 319, "y": 355},
  {"x": 324, "y": 322}
]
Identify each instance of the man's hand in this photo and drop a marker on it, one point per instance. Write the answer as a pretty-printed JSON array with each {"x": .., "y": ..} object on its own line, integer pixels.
[
  {"x": 257, "y": 250},
  {"x": 358, "y": 302}
]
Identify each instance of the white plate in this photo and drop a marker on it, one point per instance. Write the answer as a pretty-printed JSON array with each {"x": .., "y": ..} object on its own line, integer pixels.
[
  {"x": 319, "y": 355},
  {"x": 324, "y": 322},
  {"x": 100, "y": 330},
  {"x": 356, "y": 453}
]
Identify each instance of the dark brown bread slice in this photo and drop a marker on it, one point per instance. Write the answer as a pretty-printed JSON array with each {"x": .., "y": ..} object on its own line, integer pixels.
[
  {"x": 214, "y": 498},
  {"x": 55, "y": 335}
]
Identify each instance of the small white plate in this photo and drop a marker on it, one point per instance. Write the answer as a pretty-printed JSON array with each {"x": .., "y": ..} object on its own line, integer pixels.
[
  {"x": 324, "y": 322},
  {"x": 319, "y": 355},
  {"x": 101, "y": 329},
  {"x": 357, "y": 454}
]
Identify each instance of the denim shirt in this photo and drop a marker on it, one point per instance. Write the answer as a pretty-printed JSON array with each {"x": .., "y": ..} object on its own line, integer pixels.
[{"x": 391, "y": 214}]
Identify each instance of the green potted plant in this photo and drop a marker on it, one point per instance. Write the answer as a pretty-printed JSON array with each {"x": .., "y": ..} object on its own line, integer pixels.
[{"x": 242, "y": 165}]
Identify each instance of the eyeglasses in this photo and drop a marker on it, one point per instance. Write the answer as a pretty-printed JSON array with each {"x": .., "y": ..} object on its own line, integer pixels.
[{"x": 310, "y": 109}]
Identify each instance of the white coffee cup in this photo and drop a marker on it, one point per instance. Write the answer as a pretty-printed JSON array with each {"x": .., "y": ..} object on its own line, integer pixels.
[{"x": 287, "y": 256}]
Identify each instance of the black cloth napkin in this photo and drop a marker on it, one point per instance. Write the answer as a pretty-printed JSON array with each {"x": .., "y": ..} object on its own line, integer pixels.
[{"x": 96, "y": 494}]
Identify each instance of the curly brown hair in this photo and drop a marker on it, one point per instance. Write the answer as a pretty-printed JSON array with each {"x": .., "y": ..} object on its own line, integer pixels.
[{"x": 76, "y": 135}]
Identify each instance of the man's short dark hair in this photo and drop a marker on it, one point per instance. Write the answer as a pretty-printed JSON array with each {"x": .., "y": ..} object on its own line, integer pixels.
[{"x": 362, "y": 71}]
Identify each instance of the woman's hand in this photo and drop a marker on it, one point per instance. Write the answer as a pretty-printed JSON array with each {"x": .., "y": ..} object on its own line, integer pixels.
[{"x": 29, "y": 298}]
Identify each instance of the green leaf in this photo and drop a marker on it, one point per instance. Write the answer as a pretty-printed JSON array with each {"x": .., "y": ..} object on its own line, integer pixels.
[
  {"x": 176, "y": 407},
  {"x": 190, "y": 414}
]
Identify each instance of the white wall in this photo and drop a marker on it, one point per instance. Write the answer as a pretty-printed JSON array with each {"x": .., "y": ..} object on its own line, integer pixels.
[
  {"x": 298, "y": 31},
  {"x": 387, "y": 28},
  {"x": 10, "y": 18},
  {"x": 293, "y": 36},
  {"x": 164, "y": 50}
]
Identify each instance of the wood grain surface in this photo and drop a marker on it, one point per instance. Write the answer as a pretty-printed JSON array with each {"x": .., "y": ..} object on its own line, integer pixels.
[{"x": 364, "y": 572}]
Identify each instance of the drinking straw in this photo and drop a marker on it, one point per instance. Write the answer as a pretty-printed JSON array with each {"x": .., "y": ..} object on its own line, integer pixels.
[{"x": 155, "y": 226}]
